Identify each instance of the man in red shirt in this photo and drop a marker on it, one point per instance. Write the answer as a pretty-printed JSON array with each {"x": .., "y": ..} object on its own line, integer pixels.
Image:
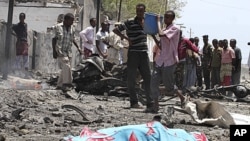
[{"x": 184, "y": 45}]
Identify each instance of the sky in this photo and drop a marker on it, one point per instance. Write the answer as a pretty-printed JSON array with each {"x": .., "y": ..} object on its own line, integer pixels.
[{"x": 220, "y": 19}]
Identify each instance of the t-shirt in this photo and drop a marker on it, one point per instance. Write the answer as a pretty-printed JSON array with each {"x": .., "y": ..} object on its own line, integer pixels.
[
  {"x": 136, "y": 34},
  {"x": 206, "y": 55},
  {"x": 238, "y": 59},
  {"x": 88, "y": 34},
  {"x": 21, "y": 31},
  {"x": 169, "y": 46},
  {"x": 227, "y": 55},
  {"x": 101, "y": 36},
  {"x": 183, "y": 46},
  {"x": 64, "y": 40},
  {"x": 216, "y": 57}
]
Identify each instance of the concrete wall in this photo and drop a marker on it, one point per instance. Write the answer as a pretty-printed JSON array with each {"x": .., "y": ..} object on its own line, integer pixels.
[
  {"x": 38, "y": 20},
  {"x": 89, "y": 11}
]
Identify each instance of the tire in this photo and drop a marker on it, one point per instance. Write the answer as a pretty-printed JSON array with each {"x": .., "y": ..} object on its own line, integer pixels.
[{"x": 241, "y": 91}]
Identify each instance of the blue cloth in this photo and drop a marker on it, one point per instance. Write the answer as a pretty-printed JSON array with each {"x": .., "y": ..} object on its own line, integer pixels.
[{"x": 152, "y": 131}]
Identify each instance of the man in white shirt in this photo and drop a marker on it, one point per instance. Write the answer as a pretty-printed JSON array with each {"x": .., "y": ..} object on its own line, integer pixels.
[
  {"x": 88, "y": 38},
  {"x": 101, "y": 40}
]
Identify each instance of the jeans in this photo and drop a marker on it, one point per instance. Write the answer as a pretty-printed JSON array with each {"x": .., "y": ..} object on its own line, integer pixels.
[{"x": 166, "y": 74}]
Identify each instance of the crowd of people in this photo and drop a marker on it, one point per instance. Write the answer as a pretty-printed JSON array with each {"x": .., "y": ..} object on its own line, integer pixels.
[{"x": 178, "y": 62}]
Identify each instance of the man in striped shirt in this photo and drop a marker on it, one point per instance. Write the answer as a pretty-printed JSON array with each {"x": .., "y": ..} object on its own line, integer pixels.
[{"x": 137, "y": 55}]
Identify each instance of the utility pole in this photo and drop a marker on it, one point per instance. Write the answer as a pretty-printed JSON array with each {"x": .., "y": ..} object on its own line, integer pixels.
[
  {"x": 98, "y": 14},
  {"x": 190, "y": 33},
  {"x": 8, "y": 40},
  {"x": 119, "y": 12},
  {"x": 116, "y": 5},
  {"x": 166, "y": 5}
]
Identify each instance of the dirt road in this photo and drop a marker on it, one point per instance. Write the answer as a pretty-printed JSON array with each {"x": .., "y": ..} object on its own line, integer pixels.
[{"x": 38, "y": 115}]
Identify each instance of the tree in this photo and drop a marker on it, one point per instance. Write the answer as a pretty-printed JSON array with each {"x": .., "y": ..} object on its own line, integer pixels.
[{"x": 110, "y": 7}]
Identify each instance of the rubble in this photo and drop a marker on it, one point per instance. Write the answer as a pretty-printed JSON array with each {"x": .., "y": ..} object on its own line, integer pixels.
[{"x": 49, "y": 114}]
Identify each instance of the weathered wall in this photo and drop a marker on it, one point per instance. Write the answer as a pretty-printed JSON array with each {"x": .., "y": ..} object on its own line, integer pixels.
[
  {"x": 89, "y": 11},
  {"x": 38, "y": 19},
  {"x": 44, "y": 60},
  {"x": 2, "y": 43},
  {"x": 12, "y": 46}
]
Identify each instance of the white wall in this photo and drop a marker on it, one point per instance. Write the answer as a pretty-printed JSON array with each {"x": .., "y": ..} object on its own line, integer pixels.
[{"x": 38, "y": 19}]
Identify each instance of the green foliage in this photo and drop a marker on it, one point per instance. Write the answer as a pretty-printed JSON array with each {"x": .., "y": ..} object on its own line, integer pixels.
[{"x": 111, "y": 7}]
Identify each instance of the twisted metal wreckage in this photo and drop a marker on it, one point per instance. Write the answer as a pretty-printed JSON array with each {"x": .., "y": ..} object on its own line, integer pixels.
[
  {"x": 96, "y": 76},
  {"x": 92, "y": 77}
]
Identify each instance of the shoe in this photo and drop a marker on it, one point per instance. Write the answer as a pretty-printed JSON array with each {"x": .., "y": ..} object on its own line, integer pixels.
[
  {"x": 136, "y": 106},
  {"x": 152, "y": 110},
  {"x": 58, "y": 88}
]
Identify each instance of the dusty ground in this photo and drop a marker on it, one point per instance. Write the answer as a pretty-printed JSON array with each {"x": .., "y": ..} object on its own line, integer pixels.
[{"x": 42, "y": 117}]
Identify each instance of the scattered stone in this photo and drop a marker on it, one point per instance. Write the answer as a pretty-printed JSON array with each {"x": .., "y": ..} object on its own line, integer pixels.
[
  {"x": 16, "y": 113},
  {"x": 183, "y": 121},
  {"x": 58, "y": 131},
  {"x": 47, "y": 120},
  {"x": 2, "y": 138},
  {"x": 57, "y": 114},
  {"x": 53, "y": 109}
]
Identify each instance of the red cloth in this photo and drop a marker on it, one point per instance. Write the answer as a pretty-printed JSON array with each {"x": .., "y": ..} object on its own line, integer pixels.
[
  {"x": 183, "y": 45},
  {"x": 21, "y": 48},
  {"x": 226, "y": 81},
  {"x": 87, "y": 53}
]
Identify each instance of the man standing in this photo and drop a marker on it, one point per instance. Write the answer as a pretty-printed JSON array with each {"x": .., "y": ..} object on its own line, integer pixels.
[
  {"x": 101, "y": 40},
  {"x": 227, "y": 59},
  {"x": 88, "y": 38},
  {"x": 216, "y": 63},
  {"x": 21, "y": 33},
  {"x": 116, "y": 46},
  {"x": 236, "y": 72},
  {"x": 206, "y": 61},
  {"x": 198, "y": 66},
  {"x": 137, "y": 55},
  {"x": 166, "y": 58},
  {"x": 64, "y": 37},
  {"x": 185, "y": 73}
]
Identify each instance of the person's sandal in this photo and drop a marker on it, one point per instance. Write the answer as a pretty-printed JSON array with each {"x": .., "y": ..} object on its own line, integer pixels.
[{"x": 152, "y": 110}]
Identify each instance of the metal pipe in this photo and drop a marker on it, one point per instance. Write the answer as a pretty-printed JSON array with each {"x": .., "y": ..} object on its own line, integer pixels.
[
  {"x": 119, "y": 12},
  {"x": 8, "y": 40},
  {"x": 98, "y": 15},
  {"x": 34, "y": 50}
]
